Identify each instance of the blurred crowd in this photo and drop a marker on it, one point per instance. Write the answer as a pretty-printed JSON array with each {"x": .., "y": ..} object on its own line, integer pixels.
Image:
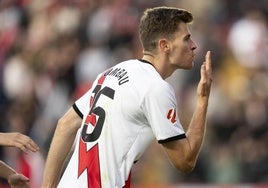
[{"x": 50, "y": 52}]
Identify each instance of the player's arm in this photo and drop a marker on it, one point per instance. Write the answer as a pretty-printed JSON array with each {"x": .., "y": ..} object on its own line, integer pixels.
[
  {"x": 183, "y": 153},
  {"x": 60, "y": 147},
  {"x": 14, "y": 179}
]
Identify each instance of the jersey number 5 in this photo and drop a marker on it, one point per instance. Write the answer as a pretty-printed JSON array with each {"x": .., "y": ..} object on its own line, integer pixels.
[{"x": 96, "y": 110}]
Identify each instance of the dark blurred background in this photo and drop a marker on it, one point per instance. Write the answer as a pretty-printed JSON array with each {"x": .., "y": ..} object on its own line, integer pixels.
[{"x": 50, "y": 51}]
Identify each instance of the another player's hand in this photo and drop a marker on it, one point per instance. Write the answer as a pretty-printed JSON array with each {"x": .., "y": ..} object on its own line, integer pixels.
[
  {"x": 18, "y": 181},
  {"x": 18, "y": 140},
  {"x": 203, "y": 89}
]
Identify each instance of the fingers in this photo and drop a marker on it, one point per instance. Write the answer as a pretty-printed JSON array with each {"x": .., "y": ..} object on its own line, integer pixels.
[
  {"x": 203, "y": 89},
  {"x": 208, "y": 61},
  {"x": 203, "y": 73},
  {"x": 23, "y": 178},
  {"x": 18, "y": 181},
  {"x": 27, "y": 144},
  {"x": 208, "y": 65},
  {"x": 204, "y": 85},
  {"x": 24, "y": 142},
  {"x": 208, "y": 68},
  {"x": 31, "y": 145}
]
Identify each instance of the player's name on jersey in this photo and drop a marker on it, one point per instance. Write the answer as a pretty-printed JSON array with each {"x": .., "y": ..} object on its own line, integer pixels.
[{"x": 120, "y": 74}]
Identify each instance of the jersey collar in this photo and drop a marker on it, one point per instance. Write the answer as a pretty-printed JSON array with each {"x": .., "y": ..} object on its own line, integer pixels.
[{"x": 145, "y": 61}]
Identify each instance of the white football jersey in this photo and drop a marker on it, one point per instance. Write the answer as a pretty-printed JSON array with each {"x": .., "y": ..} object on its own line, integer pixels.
[{"x": 126, "y": 108}]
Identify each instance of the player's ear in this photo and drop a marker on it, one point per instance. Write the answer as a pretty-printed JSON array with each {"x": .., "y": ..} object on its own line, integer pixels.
[{"x": 164, "y": 45}]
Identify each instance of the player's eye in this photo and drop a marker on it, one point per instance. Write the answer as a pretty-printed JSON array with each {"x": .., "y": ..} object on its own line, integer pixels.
[{"x": 187, "y": 37}]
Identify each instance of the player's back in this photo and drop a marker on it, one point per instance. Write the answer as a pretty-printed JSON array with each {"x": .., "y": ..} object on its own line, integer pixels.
[{"x": 115, "y": 130}]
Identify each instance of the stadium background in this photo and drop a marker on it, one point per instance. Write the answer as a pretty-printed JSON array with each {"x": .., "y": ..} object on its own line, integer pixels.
[{"x": 51, "y": 50}]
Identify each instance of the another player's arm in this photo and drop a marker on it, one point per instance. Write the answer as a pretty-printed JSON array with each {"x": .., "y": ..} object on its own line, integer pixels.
[
  {"x": 5, "y": 170},
  {"x": 60, "y": 147},
  {"x": 184, "y": 153},
  {"x": 21, "y": 141},
  {"x": 14, "y": 179}
]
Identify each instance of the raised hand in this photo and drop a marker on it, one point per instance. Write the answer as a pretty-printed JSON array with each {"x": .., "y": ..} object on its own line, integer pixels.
[{"x": 203, "y": 89}]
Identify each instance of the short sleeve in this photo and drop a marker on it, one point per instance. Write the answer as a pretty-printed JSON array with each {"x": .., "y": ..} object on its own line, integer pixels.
[
  {"x": 81, "y": 106},
  {"x": 160, "y": 108}
]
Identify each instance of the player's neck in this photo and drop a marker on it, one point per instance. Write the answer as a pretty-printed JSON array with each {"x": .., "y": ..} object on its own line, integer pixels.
[
  {"x": 156, "y": 62},
  {"x": 148, "y": 56}
]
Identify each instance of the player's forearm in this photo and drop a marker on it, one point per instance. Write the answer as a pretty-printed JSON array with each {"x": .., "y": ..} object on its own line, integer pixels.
[
  {"x": 196, "y": 130},
  {"x": 5, "y": 170},
  {"x": 184, "y": 153},
  {"x": 59, "y": 150},
  {"x": 60, "y": 147}
]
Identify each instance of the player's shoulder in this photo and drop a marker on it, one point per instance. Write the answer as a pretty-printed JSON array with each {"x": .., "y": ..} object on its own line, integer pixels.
[
  {"x": 136, "y": 72},
  {"x": 136, "y": 69},
  {"x": 129, "y": 63}
]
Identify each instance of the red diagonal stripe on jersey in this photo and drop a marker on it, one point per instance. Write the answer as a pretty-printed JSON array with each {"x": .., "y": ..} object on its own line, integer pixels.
[
  {"x": 101, "y": 80},
  {"x": 89, "y": 160}
]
